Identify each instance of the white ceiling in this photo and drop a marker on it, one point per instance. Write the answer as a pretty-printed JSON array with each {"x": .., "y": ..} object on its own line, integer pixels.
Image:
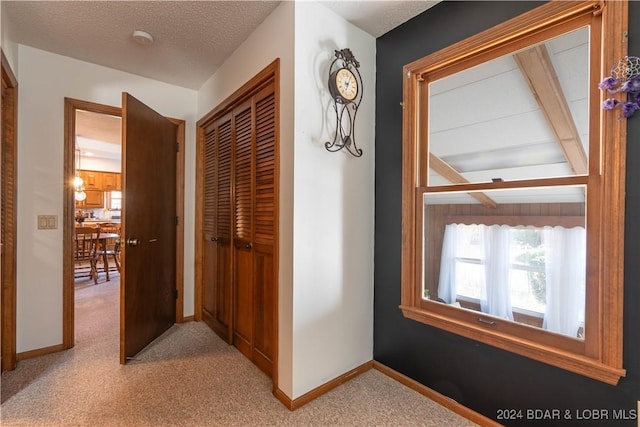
[{"x": 191, "y": 38}]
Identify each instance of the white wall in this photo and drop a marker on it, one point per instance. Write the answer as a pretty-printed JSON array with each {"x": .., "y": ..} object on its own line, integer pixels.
[
  {"x": 100, "y": 164},
  {"x": 9, "y": 48},
  {"x": 333, "y": 207},
  {"x": 272, "y": 39},
  {"x": 45, "y": 79}
]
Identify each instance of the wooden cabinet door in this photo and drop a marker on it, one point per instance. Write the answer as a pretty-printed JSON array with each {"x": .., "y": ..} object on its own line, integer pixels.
[
  {"x": 109, "y": 181},
  {"x": 92, "y": 180},
  {"x": 217, "y": 227},
  {"x": 94, "y": 200}
]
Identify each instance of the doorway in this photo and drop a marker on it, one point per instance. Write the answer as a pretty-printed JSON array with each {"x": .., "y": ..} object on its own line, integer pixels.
[
  {"x": 72, "y": 106},
  {"x": 98, "y": 195}
]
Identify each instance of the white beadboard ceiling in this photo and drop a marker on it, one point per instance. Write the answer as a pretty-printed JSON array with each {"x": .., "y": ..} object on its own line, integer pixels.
[
  {"x": 486, "y": 123},
  {"x": 191, "y": 38}
]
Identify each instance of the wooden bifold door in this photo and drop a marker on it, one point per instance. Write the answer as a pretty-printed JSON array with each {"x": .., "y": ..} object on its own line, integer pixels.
[{"x": 239, "y": 211}]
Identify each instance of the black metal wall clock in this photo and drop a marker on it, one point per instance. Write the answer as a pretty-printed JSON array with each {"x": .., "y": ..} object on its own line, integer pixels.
[{"x": 345, "y": 87}]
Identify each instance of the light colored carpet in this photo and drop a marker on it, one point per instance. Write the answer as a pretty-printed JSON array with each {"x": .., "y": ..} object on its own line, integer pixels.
[{"x": 188, "y": 377}]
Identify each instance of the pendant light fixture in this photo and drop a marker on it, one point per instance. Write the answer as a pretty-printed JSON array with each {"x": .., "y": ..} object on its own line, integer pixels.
[{"x": 78, "y": 182}]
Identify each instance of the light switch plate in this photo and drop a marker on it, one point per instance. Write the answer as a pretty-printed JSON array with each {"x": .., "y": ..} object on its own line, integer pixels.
[{"x": 47, "y": 222}]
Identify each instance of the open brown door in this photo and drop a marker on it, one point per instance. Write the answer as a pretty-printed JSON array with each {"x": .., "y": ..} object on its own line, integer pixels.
[{"x": 148, "y": 280}]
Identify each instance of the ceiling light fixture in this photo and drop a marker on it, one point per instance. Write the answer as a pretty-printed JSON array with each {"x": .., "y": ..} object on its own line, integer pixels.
[{"x": 142, "y": 37}]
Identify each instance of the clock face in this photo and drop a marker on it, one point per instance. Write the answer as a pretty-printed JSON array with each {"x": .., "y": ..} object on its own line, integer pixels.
[{"x": 347, "y": 84}]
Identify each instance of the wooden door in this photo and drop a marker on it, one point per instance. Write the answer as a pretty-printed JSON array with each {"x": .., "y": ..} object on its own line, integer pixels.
[
  {"x": 264, "y": 229},
  {"x": 254, "y": 233},
  {"x": 243, "y": 228},
  {"x": 148, "y": 279},
  {"x": 217, "y": 227},
  {"x": 246, "y": 172}
]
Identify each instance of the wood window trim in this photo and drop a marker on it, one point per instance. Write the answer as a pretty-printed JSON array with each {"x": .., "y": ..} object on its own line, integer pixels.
[{"x": 600, "y": 355}]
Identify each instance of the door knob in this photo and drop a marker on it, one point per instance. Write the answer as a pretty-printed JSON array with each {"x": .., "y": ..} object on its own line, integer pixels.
[
  {"x": 214, "y": 239},
  {"x": 248, "y": 246},
  {"x": 133, "y": 242}
]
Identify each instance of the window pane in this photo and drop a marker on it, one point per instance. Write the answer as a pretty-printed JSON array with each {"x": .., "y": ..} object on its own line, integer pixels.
[
  {"x": 523, "y": 260},
  {"x": 520, "y": 116},
  {"x": 116, "y": 200}
]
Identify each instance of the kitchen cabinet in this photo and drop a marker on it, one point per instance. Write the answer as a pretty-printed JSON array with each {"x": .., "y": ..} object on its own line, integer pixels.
[
  {"x": 94, "y": 200},
  {"x": 104, "y": 181},
  {"x": 110, "y": 181},
  {"x": 92, "y": 180}
]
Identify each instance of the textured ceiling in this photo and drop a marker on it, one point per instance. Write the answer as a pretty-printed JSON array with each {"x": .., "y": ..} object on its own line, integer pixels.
[{"x": 191, "y": 38}]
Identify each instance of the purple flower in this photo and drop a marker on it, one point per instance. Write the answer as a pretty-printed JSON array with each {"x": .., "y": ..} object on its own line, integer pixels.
[
  {"x": 632, "y": 85},
  {"x": 609, "y": 83},
  {"x": 628, "y": 108},
  {"x": 610, "y": 104}
]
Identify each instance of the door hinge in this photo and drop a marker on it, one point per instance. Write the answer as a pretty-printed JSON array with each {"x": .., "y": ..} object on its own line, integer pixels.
[
  {"x": 177, "y": 220},
  {"x": 175, "y": 294},
  {"x": 177, "y": 147}
]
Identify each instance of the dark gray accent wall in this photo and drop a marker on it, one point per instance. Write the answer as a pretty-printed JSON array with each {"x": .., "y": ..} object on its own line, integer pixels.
[{"x": 481, "y": 377}]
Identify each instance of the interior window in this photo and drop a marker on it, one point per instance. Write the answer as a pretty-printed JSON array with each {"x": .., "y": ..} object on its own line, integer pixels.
[
  {"x": 513, "y": 206},
  {"x": 114, "y": 200}
]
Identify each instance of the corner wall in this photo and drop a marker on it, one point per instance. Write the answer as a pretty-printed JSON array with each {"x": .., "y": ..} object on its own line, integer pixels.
[{"x": 333, "y": 207}]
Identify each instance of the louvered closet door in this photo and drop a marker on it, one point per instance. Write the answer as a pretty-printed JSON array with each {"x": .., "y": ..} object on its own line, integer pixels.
[
  {"x": 243, "y": 230},
  {"x": 217, "y": 227},
  {"x": 264, "y": 208},
  {"x": 254, "y": 235}
]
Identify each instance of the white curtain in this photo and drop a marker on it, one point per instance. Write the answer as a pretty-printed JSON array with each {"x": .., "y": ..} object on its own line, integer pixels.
[
  {"x": 495, "y": 298},
  {"x": 565, "y": 268},
  {"x": 565, "y": 265},
  {"x": 447, "y": 281}
]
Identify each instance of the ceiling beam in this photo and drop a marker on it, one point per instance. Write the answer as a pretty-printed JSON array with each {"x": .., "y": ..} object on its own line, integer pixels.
[
  {"x": 450, "y": 174},
  {"x": 535, "y": 65}
]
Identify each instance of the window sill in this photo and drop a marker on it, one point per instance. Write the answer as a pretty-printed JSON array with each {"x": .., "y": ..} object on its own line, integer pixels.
[{"x": 567, "y": 360}]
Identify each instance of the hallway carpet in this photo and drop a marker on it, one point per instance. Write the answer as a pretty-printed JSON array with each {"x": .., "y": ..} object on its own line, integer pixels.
[{"x": 187, "y": 377}]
